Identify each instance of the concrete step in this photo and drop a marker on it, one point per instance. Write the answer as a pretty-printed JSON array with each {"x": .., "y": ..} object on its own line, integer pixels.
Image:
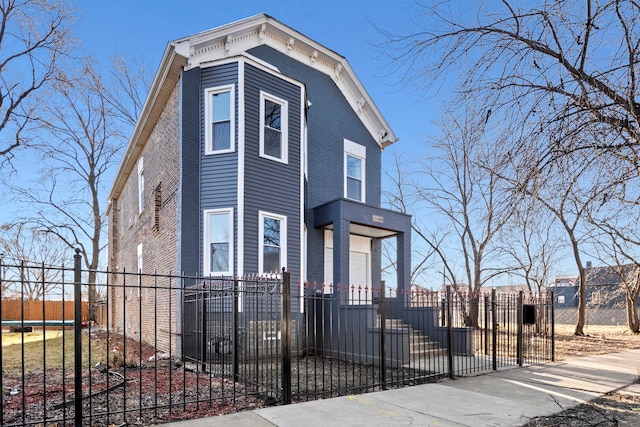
[
  {"x": 423, "y": 343},
  {"x": 420, "y": 346},
  {"x": 434, "y": 352}
]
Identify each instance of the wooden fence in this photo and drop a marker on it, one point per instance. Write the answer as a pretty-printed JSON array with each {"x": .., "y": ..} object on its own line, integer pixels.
[{"x": 34, "y": 310}]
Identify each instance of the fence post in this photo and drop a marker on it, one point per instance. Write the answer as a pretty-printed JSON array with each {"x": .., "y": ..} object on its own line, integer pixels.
[
  {"x": 285, "y": 337},
  {"x": 520, "y": 338},
  {"x": 553, "y": 327},
  {"x": 450, "y": 330},
  {"x": 383, "y": 336},
  {"x": 486, "y": 324},
  {"x": 234, "y": 331},
  {"x": 77, "y": 328},
  {"x": 494, "y": 333},
  {"x": 204, "y": 342}
]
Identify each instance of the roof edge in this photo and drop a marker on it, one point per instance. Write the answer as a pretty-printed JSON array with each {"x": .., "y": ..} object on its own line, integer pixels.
[
  {"x": 234, "y": 38},
  {"x": 171, "y": 65}
]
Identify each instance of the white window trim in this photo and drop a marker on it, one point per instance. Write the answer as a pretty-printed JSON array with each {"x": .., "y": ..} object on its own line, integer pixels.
[
  {"x": 140, "y": 185},
  {"x": 283, "y": 240},
  {"x": 139, "y": 251},
  {"x": 360, "y": 152},
  {"x": 208, "y": 138},
  {"x": 207, "y": 246},
  {"x": 284, "y": 120}
]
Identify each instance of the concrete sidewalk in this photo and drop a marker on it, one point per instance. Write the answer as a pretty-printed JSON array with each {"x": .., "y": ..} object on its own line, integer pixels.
[{"x": 503, "y": 398}]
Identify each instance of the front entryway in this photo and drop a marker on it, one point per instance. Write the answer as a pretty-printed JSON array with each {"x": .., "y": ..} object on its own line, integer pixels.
[{"x": 359, "y": 267}]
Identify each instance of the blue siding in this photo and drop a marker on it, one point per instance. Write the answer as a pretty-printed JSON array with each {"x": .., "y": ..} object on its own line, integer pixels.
[
  {"x": 189, "y": 216},
  {"x": 271, "y": 186},
  {"x": 330, "y": 120},
  {"x": 218, "y": 172}
]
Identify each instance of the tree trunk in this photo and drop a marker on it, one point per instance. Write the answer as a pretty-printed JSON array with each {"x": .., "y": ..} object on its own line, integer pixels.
[
  {"x": 93, "y": 295},
  {"x": 582, "y": 291},
  {"x": 471, "y": 318},
  {"x": 632, "y": 315}
]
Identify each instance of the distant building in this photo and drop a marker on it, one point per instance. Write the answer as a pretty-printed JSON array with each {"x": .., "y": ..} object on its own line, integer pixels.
[{"x": 603, "y": 287}]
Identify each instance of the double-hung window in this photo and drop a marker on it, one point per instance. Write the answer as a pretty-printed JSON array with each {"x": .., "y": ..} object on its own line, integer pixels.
[
  {"x": 273, "y": 243},
  {"x": 218, "y": 244},
  {"x": 140, "y": 185},
  {"x": 354, "y": 170},
  {"x": 273, "y": 128},
  {"x": 219, "y": 119}
]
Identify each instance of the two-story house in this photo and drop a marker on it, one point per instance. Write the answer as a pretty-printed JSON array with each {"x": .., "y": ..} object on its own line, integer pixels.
[{"x": 257, "y": 149}]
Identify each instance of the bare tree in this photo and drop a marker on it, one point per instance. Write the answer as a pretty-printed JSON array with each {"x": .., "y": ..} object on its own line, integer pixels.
[
  {"x": 568, "y": 190},
  {"x": 616, "y": 217},
  {"x": 129, "y": 83},
  {"x": 82, "y": 140},
  {"x": 397, "y": 197},
  {"x": 557, "y": 69},
  {"x": 36, "y": 258},
  {"x": 562, "y": 75},
  {"x": 34, "y": 37},
  {"x": 532, "y": 241},
  {"x": 461, "y": 204}
]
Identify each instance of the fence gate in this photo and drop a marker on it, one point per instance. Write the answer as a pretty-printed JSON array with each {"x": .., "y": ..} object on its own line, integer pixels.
[{"x": 498, "y": 330}]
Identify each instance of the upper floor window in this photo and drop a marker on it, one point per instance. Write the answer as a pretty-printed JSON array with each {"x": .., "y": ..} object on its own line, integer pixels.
[
  {"x": 140, "y": 185},
  {"x": 272, "y": 239},
  {"x": 218, "y": 243},
  {"x": 354, "y": 170},
  {"x": 273, "y": 127},
  {"x": 219, "y": 119}
]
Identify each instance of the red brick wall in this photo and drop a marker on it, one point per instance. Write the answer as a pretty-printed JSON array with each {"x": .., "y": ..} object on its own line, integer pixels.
[{"x": 147, "y": 316}]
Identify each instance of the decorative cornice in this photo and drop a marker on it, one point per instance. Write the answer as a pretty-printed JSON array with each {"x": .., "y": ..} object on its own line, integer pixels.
[{"x": 237, "y": 37}]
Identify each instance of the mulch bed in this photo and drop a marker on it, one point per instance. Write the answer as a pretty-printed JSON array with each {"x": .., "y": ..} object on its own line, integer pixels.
[{"x": 164, "y": 389}]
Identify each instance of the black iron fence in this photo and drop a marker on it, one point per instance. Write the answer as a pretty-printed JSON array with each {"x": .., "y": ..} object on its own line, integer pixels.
[{"x": 173, "y": 347}]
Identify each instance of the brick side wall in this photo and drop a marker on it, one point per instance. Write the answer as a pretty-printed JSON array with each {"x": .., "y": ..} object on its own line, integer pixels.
[{"x": 147, "y": 310}]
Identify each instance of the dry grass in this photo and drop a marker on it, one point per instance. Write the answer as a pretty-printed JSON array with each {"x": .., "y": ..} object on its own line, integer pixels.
[
  {"x": 598, "y": 339},
  {"x": 41, "y": 350}
]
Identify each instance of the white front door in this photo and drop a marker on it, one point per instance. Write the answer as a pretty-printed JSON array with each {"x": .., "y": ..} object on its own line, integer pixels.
[
  {"x": 360, "y": 270},
  {"x": 359, "y": 267}
]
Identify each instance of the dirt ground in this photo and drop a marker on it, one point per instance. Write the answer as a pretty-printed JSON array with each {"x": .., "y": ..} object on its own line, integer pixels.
[
  {"x": 614, "y": 409},
  {"x": 611, "y": 410}
]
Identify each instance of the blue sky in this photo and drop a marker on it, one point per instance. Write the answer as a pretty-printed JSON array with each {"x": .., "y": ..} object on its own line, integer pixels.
[{"x": 142, "y": 29}]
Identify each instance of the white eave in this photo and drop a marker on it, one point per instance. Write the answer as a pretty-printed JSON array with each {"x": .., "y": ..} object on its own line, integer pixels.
[
  {"x": 233, "y": 40},
  {"x": 238, "y": 37}
]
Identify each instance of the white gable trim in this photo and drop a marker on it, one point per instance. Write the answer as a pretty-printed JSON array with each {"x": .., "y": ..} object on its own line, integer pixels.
[{"x": 238, "y": 37}]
